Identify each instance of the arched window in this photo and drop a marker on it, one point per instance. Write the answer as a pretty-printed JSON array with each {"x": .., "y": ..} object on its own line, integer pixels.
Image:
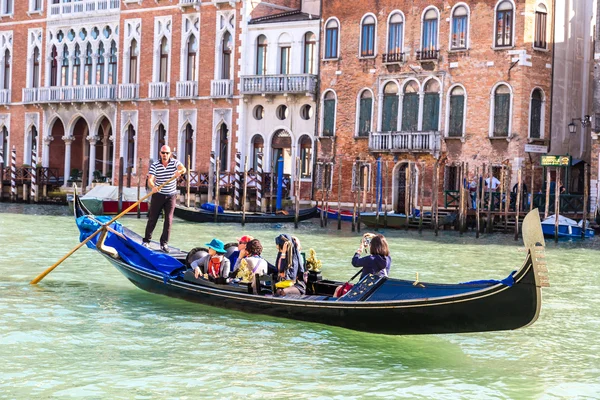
[
  {"x": 35, "y": 71},
  {"x": 64, "y": 67},
  {"x": 460, "y": 26},
  {"x": 281, "y": 144},
  {"x": 7, "y": 7},
  {"x": 223, "y": 147},
  {"x": 188, "y": 145},
  {"x": 329, "y": 114},
  {"x": 502, "y": 101},
  {"x": 367, "y": 41},
  {"x": 258, "y": 145},
  {"x": 192, "y": 50},
  {"x": 365, "y": 107},
  {"x": 53, "y": 66},
  {"x": 331, "y": 39},
  {"x": 410, "y": 107},
  {"x": 535, "y": 119},
  {"x": 457, "y": 112},
  {"x": 261, "y": 55},
  {"x": 88, "y": 65},
  {"x": 227, "y": 47},
  {"x": 541, "y": 14},
  {"x": 395, "y": 38},
  {"x": 285, "y": 50},
  {"x": 163, "y": 67},
  {"x": 6, "y": 80},
  {"x": 429, "y": 42},
  {"x": 100, "y": 65},
  {"x": 161, "y": 139},
  {"x": 130, "y": 162},
  {"x": 389, "y": 115},
  {"x": 310, "y": 44},
  {"x": 4, "y": 148},
  {"x": 133, "y": 62},
  {"x": 431, "y": 106},
  {"x": 112, "y": 64},
  {"x": 504, "y": 24},
  {"x": 76, "y": 79},
  {"x": 305, "y": 145}
]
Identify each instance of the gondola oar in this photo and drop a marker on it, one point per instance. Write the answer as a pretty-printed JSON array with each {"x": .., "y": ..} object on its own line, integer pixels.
[{"x": 131, "y": 207}]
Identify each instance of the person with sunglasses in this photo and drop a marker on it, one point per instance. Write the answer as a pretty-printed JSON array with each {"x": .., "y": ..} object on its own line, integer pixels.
[
  {"x": 240, "y": 252},
  {"x": 160, "y": 172}
]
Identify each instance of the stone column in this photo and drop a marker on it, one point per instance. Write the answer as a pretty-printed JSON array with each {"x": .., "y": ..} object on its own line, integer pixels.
[
  {"x": 93, "y": 140},
  {"x": 400, "y": 107},
  {"x": 59, "y": 61},
  {"x": 67, "y": 173},
  {"x": 421, "y": 101},
  {"x": 94, "y": 64},
  {"x": 46, "y": 151}
]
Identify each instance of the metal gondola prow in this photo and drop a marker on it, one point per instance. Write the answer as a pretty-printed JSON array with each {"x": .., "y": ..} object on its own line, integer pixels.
[{"x": 533, "y": 237}]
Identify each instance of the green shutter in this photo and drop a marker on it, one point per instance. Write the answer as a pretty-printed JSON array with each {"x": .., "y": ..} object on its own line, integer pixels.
[
  {"x": 431, "y": 112},
  {"x": 536, "y": 119},
  {"x": 457, "y": 110},
  {"x": 364, "y": 118},
  {"x": 501, "y": 114},
  {"x": 328, "y": 117},
  {"x": 390, "y": 113},
  {"x": 410, "y": 112}
]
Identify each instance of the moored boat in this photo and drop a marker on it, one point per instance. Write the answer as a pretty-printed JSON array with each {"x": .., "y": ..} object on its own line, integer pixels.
[
  {"x": 567, "y": 228},
  {"x": 375, "y": 304},
  {"x": 104, "y": 200},
  {"x": 194, "y": 214},
  {"x": 332, "y": 214}
]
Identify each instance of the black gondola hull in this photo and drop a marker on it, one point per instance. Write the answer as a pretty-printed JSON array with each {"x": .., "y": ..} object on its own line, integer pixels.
[{"x": 199, "y": 215}]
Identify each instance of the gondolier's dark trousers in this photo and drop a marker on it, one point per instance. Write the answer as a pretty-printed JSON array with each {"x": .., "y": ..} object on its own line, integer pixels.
[{"x": 160, "y": 202}]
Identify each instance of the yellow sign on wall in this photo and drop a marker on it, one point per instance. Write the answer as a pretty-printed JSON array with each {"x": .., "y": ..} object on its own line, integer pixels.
[{"x": 556, "y": 161}]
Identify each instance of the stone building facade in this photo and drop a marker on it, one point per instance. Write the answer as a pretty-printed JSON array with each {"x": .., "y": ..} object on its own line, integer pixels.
[{"x": 414, "y": 82}]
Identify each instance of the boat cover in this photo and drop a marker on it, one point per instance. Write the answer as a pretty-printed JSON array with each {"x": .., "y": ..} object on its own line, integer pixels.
[
  {"x": 131, "y": 252},
  {"x": 107, "y": 192}
]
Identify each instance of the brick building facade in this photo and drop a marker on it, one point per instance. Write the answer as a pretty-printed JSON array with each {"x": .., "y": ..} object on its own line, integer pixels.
[{"x": 420, "y": 81}]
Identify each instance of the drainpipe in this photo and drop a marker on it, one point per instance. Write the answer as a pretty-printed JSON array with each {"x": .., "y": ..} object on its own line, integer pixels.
[{"x": 317, "y": 103}]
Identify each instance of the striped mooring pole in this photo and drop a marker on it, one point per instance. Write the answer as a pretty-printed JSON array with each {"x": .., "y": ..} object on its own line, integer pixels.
[
  {"x": 259, "y": 181},
  {"x": 33, "y": 175},
  {"x": 13, "y": 174},
  {"x": 238, "y": 180}
]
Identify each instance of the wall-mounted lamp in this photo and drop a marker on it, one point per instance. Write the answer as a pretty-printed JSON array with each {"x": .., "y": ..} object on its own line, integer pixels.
[{"x": 585, "y": 122}]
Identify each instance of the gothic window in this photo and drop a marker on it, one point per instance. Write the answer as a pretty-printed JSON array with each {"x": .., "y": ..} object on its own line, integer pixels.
[
  {"x": 261, "y": 55},
  {"x": 7, "y": 62},
  {"x": 305, "y": 157},
  {"x": 310, "y": 43},
  {"x": 535, "y": 123},
  {"x": 35, "y": 68},
  {"x": 457, "y": 112},
  {"x": 331, "y": 39},
  {"x": 100, "y": 65},
  {"x": 161, "y": 139},
  {"x": 112, "y": 64},
  {"x": 329, "y": 113},
  {"x": 64, "y": 68},
  {"x": 192, "y": 49},
  {"x": 431, "y": 106},
  {"x": 188, "y": 145},
  {"x": 130, "y": 162},
  {"x": 133, "y": 62},
  {"x": 163, "y": 66},
  {"x": 502, "y": 100},
  {"x": 389, "y": 115},
  {"x": 76, "y": 79},
  {"x": 227, "y": 47},
  {"x": 53, "y": 66},
  {"x": 367, "y": 41},
  {"x": 410, "y": 107},
  {"x": 504, "y": 24},
  {"x": 223, "y": 147},
  {"x": 365, "y": 108},
  {"x": 4, "y": 148},
  {"x": 460, "y": 25},
  {"x": 87, "y": 68}
]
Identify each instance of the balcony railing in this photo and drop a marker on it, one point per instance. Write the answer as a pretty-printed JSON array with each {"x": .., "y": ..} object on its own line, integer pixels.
[
  {"x": 221, "y": 88},
  {"x": 30, "y": 95},
  {"x": 428, "y": 55},
  {"x": 391, "y": 58},
  {"x": 417, "y": 142},
  {"x": 129, "y": 91},
  {"x": 4, "y": 96},
  {"x": 189, "y": 3},
  {"x": 187, "y": 89},
  {"x": 85, "y": 93},
  {"x": 158, "y": 90},
  {"x": 259, "y": 84},
  {"x": 75, "y": 7}
]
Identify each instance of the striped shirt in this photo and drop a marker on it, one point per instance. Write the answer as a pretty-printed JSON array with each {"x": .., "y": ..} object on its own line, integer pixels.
[{"x": 162, "y": 174}]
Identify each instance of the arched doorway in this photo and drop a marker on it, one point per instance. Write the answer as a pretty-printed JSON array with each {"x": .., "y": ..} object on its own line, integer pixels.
[
  {"x": 223, "y": 147},
  {"x": 31, "y": 141},
  {"x": 401, "y": 188},
  {"x": 79, "y": 150},
  {"x": 160, "y": 139},
  {"x": 129, "y": 161},
  {"x": 281, "y": 145},
  {"x": 258, "y": 145},
  {"x": 188, "y": 145},
  {"x": 101, "y": 152},
  {"x": 4, "y": 145}
]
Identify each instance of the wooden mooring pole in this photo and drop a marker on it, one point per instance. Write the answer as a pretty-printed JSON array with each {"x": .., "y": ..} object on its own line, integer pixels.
[
  {"x": 435, "y": 214},
  {"x": 217, "y": 189},
  {"x": 296, "y": 194},
  {"x": 139, "y": 179},
  {"x": 477, "y": 201},
  {"x": 339, "y": 216},
  {"x": 408, "y": 187},
  {"x": 120, "y": 192},
  {"x": 386, "y": 195},
  {"x": 245, "y": 193},
  {"x": 187, "y": 183},
  {"x": 518, "y": 201},
  {"x": 556, "y": 203},
  {"x": 421, "y": 196},
  {"x": 586, "y": 193},
  {"x": 490, "y": 224},
  {"x": 547, "y": 202}
]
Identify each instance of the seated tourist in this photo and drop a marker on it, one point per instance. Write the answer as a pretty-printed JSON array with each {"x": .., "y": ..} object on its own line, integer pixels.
[
  {"x": 289, "y": 266},
  {"x": 242, "y": 242},
  {"x": 215, "y": 266},
  {"x": 250, "y": 265}
]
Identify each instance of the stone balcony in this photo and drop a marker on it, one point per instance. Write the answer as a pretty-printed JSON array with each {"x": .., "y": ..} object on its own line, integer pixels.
[
  {"x": 190, "y": 3},
  {"x": 129, "y": 91},
  {"x": 404, "y": 142},
  {"x": 221, "y": 88},
  {"x": 279, "y": 84},
  {"x": 158, "y": 90},
  {"x": 187, "y": 89},
  {"x": 68, "y": 8},
  {"x": 72, "y": 94},
  {"x": 4, "y": 96}
]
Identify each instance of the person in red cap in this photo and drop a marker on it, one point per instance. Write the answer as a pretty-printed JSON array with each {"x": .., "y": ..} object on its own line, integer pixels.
[{"x": 241, "y": 251}]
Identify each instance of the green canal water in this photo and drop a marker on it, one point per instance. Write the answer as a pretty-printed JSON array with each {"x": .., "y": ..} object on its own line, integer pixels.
[{"x": 86, "y": 332}]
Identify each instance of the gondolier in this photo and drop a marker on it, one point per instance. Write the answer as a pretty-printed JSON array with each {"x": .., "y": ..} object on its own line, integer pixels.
[{"x": 160, "y": 172}]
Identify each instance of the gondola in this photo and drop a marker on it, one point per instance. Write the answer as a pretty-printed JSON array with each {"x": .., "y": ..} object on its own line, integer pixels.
[
  {"x": 375, "y": 304},
  {"x": 194, "y": 214}
]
